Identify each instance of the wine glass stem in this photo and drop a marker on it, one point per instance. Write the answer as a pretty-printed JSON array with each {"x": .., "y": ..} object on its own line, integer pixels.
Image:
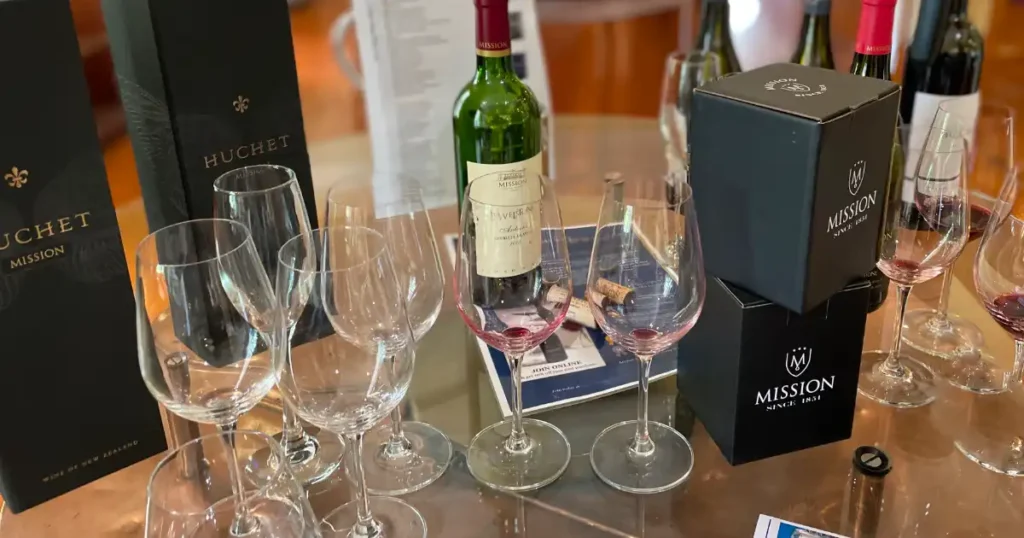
[
  {"x": 891, "y": 366},
  {"x": 366, "y": 526},
  {"x": 517, "y": 441},
  {"x": 947, "y": 284},
  {"x": 1016, "y": 377},
  {"x": 244, "y": 524},
  {"x": 642, "y": 445},
  {"x": 397, "y": 445},
  {"x": 293, "y": 434}
]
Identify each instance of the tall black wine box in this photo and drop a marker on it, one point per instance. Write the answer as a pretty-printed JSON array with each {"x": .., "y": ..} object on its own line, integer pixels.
[
  {"x": 766, "y": 381},
  {"x": 74, "y": 404},
  {"x": 790, "y": 167},
  {"x": 209, "y": 86}
]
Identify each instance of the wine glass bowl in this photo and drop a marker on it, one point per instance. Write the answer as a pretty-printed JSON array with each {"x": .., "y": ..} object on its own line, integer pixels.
[
  {"x": 921, "y": 240},
  {"x": 511, "y": 253},
  {"x": 684, "y": 72},
  {"x": 189, "y": 493},
  {"x": 204, "y": 314},
  {"x": 647, "y": 258}
]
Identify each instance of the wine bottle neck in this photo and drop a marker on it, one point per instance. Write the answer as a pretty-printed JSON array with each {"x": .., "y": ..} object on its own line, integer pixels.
[
  {"x": 817, "y": 8},
  {"x": 493, "y": 43},
  {"x": 874, "y": 34},
  {"x": 958, "y": 7},
  {"x": 714, "y": 23}
]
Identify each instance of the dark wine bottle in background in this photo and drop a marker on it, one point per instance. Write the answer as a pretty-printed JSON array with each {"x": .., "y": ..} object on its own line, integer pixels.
[
  {"x": 943, "y": 64},
  {"x": 714, "y": 34},
  {"x": 871, "y": 58},
  {"x": 497, "y": 125},
  {"x": 815, "y": 47}
]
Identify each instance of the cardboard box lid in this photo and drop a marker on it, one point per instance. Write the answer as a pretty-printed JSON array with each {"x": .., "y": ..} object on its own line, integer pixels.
[{"x": 819, "y": 95}]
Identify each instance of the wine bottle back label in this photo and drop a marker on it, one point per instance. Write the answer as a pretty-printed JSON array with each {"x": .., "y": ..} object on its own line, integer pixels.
[
  {"x": 963, "y": 107},
  {"x": 506, "y": 213}
]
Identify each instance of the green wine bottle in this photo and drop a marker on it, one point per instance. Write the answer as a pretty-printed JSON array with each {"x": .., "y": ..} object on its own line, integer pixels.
[
  {"x": 497, "y": 118},
  {"x": 871, "y": 59},
  {"x": 714, "y": 37},
  {"x": 815, "y": 47}
]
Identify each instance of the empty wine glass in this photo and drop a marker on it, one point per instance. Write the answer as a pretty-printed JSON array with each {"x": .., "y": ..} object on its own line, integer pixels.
[
  {"x": 190, "y": 494},
  {"x": 267, "y": 199},
  {"x": 351, "y": 357},
  {"x": 920, "y": 241},
  {"x": 999, "y": 281},
  {"x": 205, "y": 311},
  {"x": 647, "y": 259},
  {"x": 408, "y": 455},
  {"x": 936, "y": 331},
  {"x": 511, "y": 251},
  {"x": 684, "y": 72}
]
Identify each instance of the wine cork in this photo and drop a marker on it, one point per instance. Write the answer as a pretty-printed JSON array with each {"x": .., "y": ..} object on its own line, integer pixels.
[
  {"x": 598, "y": 298},
  {"x": 558, "y": 295},
  {"x": 579, "y": 312},
  {"x": 616, "y": 292}
]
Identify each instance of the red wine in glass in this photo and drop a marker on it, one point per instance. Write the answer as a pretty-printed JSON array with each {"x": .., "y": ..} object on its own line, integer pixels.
[
  {"x": 979, "y": 221},
  {"x": 1008, "y": 311},
  {"x": 907, "y": 271}
]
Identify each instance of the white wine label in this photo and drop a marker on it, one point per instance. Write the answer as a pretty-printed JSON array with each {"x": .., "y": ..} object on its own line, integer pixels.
[
  {"x": 964, "y": 107},
  {"x": 506, "y": 210}
]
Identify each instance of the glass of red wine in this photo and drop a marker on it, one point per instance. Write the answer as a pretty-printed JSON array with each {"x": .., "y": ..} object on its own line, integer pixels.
[
  {"x": 936, "y": 331},
  {"x": 647, "y": 259},
  {"x": 511, "y": 253},
  {"x": 921, "y": 240},
  {"x": 999, "y": 280}
]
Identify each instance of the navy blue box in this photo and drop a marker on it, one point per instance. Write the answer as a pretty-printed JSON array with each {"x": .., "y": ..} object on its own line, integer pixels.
[
  {"x": 766, "y": 381},
  {"x": 75, "y": 406},
  {"x": 790, "y": 174}
]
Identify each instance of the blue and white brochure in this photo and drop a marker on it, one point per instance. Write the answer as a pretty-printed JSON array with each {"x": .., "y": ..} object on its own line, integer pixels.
[
  {"x": 582, "y": 364},
  {"x": 773, "y": 527}
]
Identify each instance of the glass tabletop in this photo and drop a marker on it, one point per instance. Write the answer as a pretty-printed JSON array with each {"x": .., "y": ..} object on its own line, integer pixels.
[{"x": 932, "y": 491}]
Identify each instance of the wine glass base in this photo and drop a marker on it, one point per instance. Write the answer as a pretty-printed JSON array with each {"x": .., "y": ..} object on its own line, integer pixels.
[
  {"x": 395, "y": 517},
  {"x": 915, "y": 389},
  {"x": 942, "y": 336},
  {"x": 425, "y": 462},
  {"x": 975, "y": 372},
  {"x": 312, "y": 464},
  {"x": 669, "y": 466},
  {"x": 992, "y": 455},
  {"x": 492, "y": 464}
]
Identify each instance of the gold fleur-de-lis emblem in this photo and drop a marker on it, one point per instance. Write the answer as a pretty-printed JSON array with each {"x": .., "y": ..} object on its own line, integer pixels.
[
  {"x": 241, "y": 104},
  {"x": 16, "y": 178}
]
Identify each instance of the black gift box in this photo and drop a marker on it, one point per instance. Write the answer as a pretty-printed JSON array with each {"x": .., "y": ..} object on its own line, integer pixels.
[
  {"x": 766, "y": 381},
  {"x": 208, "y": 86},
  {"x": 790, "y": 167},
  {"x": 75, "y": 406}
]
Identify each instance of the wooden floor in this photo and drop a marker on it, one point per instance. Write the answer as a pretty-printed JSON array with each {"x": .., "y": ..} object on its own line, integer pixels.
[{"x": 605, "y": 67}]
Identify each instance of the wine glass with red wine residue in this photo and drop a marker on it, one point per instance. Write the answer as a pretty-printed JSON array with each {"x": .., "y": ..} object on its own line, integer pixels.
[
  {"x": 958, "y": 343},
  {"x": 511, "y": 253},
  {"x": 647, "y": 259},
  {"x": 921, "y": 240},
  {"x": 999, "y": 280}
]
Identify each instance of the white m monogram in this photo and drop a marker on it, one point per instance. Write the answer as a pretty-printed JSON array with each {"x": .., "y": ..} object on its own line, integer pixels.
[
  {"x": 798, "y": 360},
  {"x": 856, "y": 177}
]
